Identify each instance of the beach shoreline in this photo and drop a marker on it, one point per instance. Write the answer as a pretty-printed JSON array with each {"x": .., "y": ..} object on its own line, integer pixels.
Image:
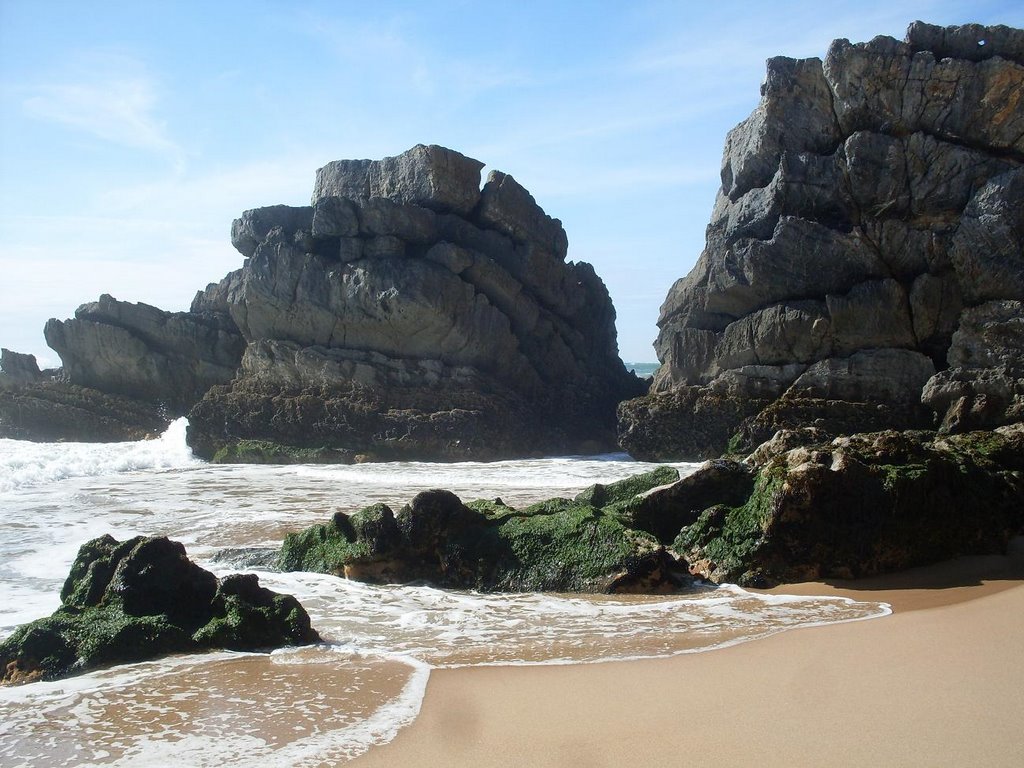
[{"x": 935, "y": 683}]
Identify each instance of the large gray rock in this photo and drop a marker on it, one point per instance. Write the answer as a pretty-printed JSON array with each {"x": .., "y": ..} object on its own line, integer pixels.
[
  {"x": 867, "y": 205},
  {"x": 409, "y": 314}
]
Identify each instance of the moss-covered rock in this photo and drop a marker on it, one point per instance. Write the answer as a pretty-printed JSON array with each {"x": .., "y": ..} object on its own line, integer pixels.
[
  {"x": 572, "y": 546},
  {"x": 663, "y": 511},
  {"x": 268, "y": 452},
  {"x": 556, "y": 545},
  {"x": 627, "y": 489},
  {"x": 141, "y": 599},
  {"x": 862, "y": 505}
]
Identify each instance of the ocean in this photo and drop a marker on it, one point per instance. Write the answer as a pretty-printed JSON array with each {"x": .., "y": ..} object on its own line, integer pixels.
[
  {"x": 643, "y": 370},
  {"x": 325, "y": 704}
]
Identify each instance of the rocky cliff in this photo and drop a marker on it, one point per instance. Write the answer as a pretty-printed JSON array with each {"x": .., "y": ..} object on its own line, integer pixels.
[
  {"x": 864, "y": 265},
  {"x": 408, "y": 312}
]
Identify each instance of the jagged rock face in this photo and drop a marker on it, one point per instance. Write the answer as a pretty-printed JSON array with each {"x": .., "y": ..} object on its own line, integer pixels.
[
  {"x": 17, "y": 368},
  {"x": 868, "y": 204},
  {"x": 136, "y": 350},
  {"x": 407, "y": 312}
]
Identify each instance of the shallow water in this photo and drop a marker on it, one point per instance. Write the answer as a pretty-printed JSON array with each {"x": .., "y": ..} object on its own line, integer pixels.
[{"x": 324, "y": 704}]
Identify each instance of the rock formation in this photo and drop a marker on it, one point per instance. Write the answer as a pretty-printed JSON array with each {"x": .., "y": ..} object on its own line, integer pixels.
[
  {"x": 139, "y": 351},
  {"x": 54, "y": 410},
  {"x": 408, "y": 313},
  {"x": 39, "y": 405},
  {"x": 806, "y": 507},
  {"x": 866, "y": 251},
  {"x": 560, "y": 545},
  {"x": 141, "y": 599},
  {"x": 18, "y": 368}
]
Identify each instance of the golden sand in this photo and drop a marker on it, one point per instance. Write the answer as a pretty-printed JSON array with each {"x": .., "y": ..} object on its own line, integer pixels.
[{"x": 938, "y": 683}]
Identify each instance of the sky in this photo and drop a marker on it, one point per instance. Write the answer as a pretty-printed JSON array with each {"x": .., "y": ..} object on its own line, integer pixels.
[{"x": 132, "y": 133}]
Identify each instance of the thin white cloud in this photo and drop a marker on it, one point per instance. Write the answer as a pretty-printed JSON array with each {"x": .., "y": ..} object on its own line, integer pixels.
[
  {"x": 405, "y": 61},
  {"x": 109, "y": 97}
]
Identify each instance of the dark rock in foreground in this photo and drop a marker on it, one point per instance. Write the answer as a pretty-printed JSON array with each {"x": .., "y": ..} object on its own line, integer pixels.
[
  {"x": 803, "y": 506},
  {"x": 141, "y": 599},
  {"x": 559, "y": 545},
  {"x": 856, "y": 506},
  {"x": 864, "y": 263}
]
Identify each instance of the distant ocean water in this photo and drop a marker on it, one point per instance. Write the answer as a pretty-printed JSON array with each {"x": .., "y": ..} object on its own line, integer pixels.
[
  {"x": 328, "y": 703},
  {"x": 643, "y": 370}
]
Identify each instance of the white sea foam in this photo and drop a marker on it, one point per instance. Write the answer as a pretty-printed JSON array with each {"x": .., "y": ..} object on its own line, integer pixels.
[
  {"x": 54, "y": 497},
  {"x": 25, "y": 464},
  {"x": 452, "y": 629}
]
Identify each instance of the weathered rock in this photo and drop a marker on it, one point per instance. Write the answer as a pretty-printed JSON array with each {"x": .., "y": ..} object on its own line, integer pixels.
[
  {"x": 53, "y": 410},
  {"x": 692, "y": 422},
  {"x": 18, "y": 368},
  {"x": 145, "y": 353},
  {"x": 411, "y": 315},
  {"x": 143, "y": 598},
  {"x": 556, "y": 545},
  {"x": 663, "y": 511},
  {"x": 796, "y": 411},
  {"x": 862, "y": 505},
  {"x": 884, "y": 376},
  {"x": 868, "y": 203},
  {"x": 430, "y": 176},
  {"x": 984, "y": 387},
  {"x": 252, "y": 227}
]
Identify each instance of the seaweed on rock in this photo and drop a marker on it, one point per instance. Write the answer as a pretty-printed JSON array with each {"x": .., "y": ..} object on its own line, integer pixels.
[
  {"x": 143, "y": 598},
  {"x": 558, "y": 545}
]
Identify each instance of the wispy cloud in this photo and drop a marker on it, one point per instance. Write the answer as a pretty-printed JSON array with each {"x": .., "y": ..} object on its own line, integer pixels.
[
  {"x": 110, "y": 97},
  {"x": 404, "y": 60}
]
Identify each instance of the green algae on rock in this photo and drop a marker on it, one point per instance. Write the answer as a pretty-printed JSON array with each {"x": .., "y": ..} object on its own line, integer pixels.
[
  {"x": 143, "y": 598},
  {"x": 862, "y": 505},
  {"x": 269, "y": 452},
  {"x": 558, "y": 545}
]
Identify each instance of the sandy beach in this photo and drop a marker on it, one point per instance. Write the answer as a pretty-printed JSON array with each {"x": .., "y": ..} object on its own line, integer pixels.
[{"x": 937, "y": 683}]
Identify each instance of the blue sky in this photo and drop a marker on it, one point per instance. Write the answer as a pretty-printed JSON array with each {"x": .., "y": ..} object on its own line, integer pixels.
[{"x": 132, "y": 133}]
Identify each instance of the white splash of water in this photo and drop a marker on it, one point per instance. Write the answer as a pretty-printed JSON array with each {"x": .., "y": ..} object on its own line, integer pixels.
[{"x": 26, "y": 464}]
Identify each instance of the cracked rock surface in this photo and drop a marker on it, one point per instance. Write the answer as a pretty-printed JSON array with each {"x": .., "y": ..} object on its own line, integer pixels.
[
  {"x": 869, "y": 229},
  {"x": 409, "y": 313}
]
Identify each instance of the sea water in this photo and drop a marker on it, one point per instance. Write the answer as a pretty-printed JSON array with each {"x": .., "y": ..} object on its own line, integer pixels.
[{"x": 323, "y": 704}]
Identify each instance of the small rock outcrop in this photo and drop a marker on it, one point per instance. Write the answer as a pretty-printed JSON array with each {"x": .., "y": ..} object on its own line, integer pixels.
[
  {"x": 141, "y": 599},
  {"x": 408, "y": 313},
  {"x": 864, "y": 265},
  {"x": 809, "y": 508},
  {"x": 560, "y": 545},
  {"x": 41, "y": 405},
  {"x": 17, "y": 368},
  {"x": 54, "y": 410}
]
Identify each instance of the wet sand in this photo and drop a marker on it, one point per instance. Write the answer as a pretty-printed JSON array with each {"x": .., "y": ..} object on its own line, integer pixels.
[{"x": 940, "y": 682}]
